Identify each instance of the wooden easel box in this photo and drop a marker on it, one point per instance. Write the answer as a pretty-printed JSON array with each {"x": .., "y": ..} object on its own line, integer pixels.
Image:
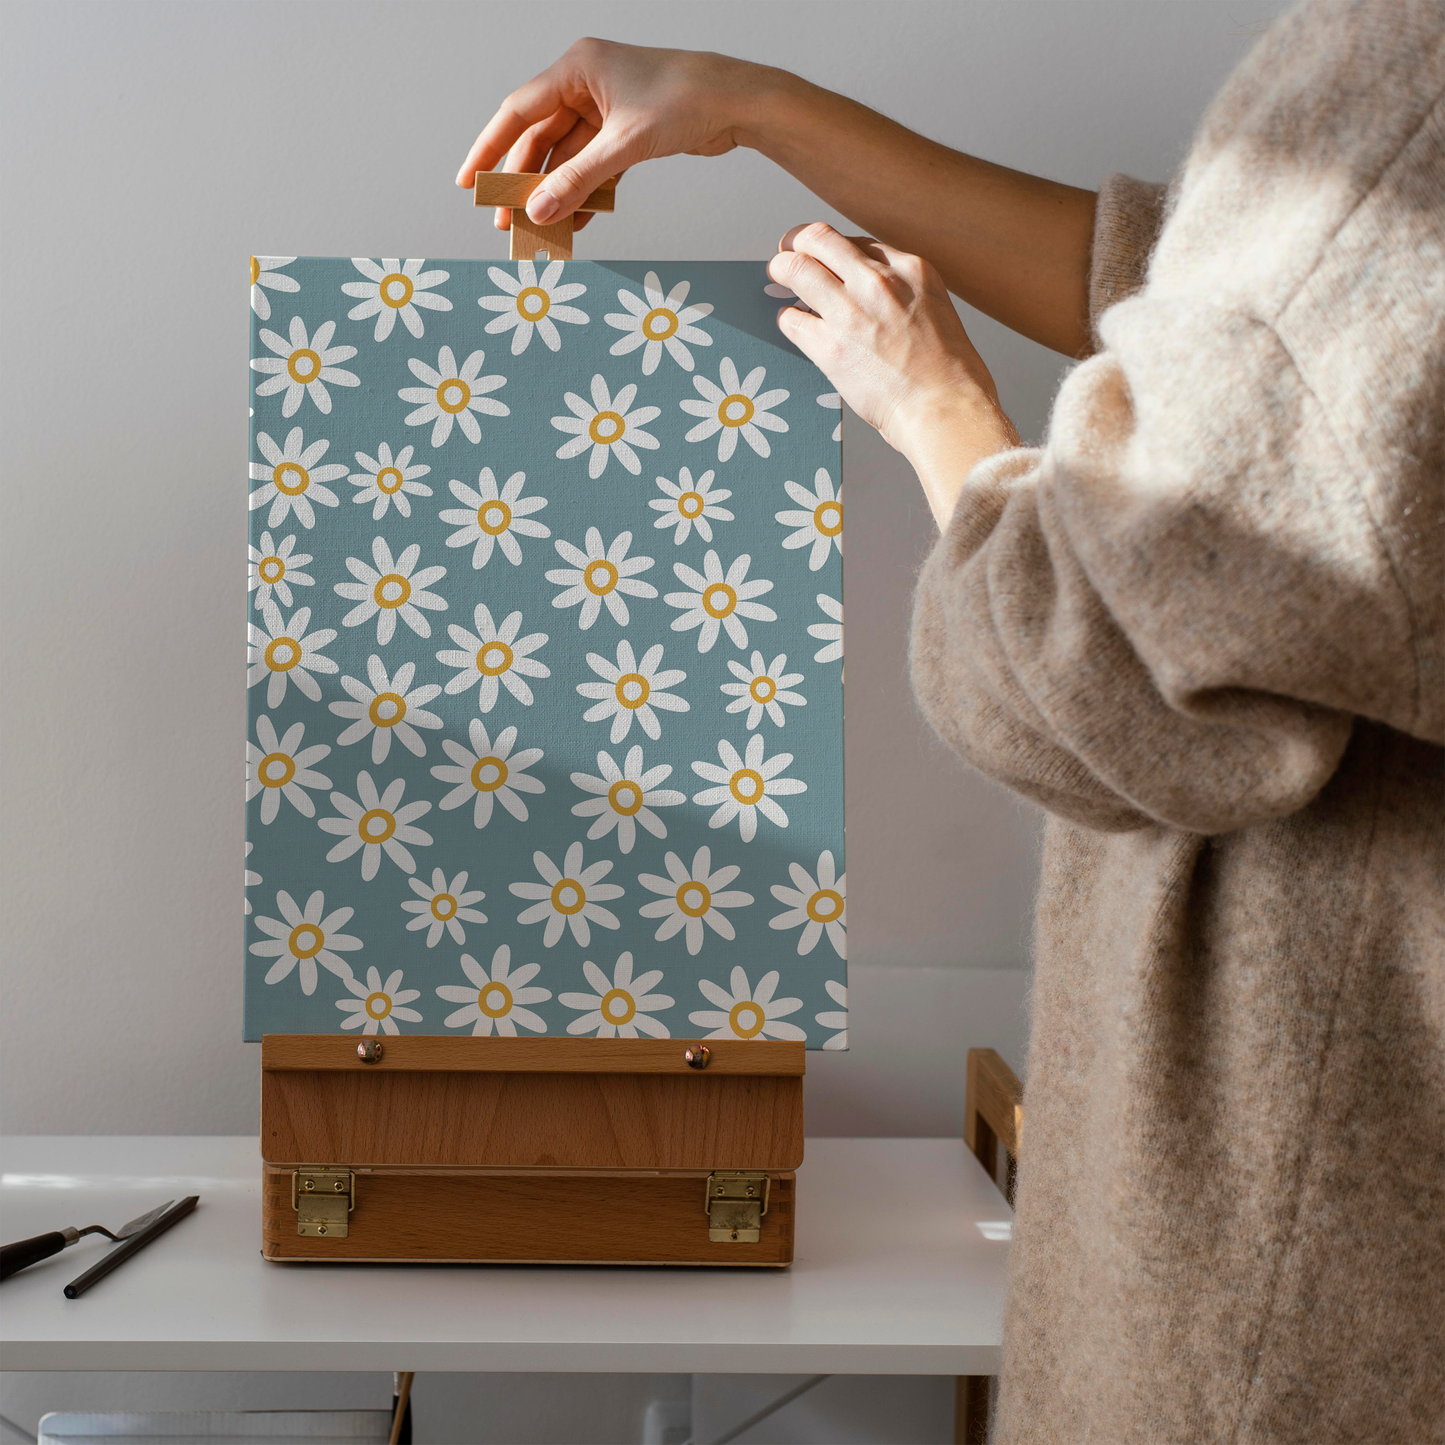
[{"x": 537, "y": 1150}]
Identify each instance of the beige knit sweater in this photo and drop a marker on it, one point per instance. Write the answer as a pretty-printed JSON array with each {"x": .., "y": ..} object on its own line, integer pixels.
[{"x": 1204, "y": 625}]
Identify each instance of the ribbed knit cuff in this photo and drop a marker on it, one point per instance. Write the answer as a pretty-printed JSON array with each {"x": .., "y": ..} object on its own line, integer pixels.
[{"x": 1127, "y": 220}]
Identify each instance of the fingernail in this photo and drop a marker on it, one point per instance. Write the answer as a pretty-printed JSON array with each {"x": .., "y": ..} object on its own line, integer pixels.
[
  {"x": 460, "y": 174},
  {"x": 542, "y": 206}
]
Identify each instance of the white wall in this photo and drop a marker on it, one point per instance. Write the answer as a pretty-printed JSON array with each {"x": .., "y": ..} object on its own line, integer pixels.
[{"x": 149, "y": 148}]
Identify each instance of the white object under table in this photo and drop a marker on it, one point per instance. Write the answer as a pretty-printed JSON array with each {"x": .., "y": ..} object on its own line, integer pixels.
[{"x": 902, "y": 1246}]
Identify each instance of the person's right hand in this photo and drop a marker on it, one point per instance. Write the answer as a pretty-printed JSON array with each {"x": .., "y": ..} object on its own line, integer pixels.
[{"x": 602, "y": 108}]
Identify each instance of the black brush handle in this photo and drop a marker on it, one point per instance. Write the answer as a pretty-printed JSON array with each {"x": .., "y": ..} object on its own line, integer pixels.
[
  {"x": 16, "y": 1256},
  {"x": 135, "y": 1243}
]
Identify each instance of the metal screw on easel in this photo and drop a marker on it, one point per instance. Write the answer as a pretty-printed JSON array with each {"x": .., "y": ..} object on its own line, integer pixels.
[
  {"x": 369, "y": 1051},
  {"x": 698, "y": 1055}
]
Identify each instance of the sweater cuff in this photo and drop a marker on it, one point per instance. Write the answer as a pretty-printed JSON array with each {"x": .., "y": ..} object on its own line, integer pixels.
[{"x": 1127, "y": 220}]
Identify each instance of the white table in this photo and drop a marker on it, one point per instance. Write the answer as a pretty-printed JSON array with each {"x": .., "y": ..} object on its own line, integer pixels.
[{"x": 901, "y": 1254}]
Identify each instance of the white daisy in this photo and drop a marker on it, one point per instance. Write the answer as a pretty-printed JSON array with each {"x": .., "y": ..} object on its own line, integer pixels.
[
  {"x": 820, "y": 524},
  {"x": 306, "y": 939},
  {"x": 377, "y": 1005},
  {"x": 606, "y": 426},
  {"x": 390, "y": 590},
  {"x": 762, "y": 689},
  {"x": 747, "y": 786},
  {"x": 276, "y": 570},
  {"x": 443, "y": 906},
  {"x": 838, "y": 992},
  {"x": 834, "y": 402},
  {"x": 494, "y": 655},
  {"x": 303, "y": 366},
  {"x": 451, "y": 396},
  {"x": 597, "y": 576},
  {"x": 276, "y": 767},
  {"x": 620, "y": 1006},
  {"x": 746, "y": 1013},
  {"x": 687, "y": 506},
  {"x": 266, "y": 272},
  {"x": 494, "y": 518},
  {"x": 815, "y": 904},
  {"x": 497, "y": 999},
  {"x": 286, "y": 651},
  {"x": 532, "y": 305},
  {"x": 293, "y": 480},
  {"x": 384, "y": 480},
  {"x": 489, "y": 771},
  {"x": 626, "y": 797},
  {"x": 829, "y": 633},
  {"x": 719, "y": 599},
  {"x": 374, "y": 824},
  {"x": 692, "y": 898},
  {"x": 653, "y": 321},
  {"x": 735, "y": 407},
  {"x": 571, "y": 899},
  {"x": 251, "y": 875},
  {"x": 631, "y": 689},
  {"x": 393, "y": 289},
  {"x": 391, "y": 705}
]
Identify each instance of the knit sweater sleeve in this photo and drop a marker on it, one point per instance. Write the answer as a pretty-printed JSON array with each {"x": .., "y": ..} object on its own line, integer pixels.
[{"x": 1127, "y": 219}]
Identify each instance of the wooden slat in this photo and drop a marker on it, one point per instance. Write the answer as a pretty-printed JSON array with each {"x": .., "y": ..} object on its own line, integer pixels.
[
  {"x": 511, "y": 188},
  {"x": 529, "y": 240},
  {"x": 994, "y": 1094},
  {"x": 417, "y": 1053}
]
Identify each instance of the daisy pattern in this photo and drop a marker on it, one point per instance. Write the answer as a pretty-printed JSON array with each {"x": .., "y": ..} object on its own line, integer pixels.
[
  {"x": 266, "y": 276},
  {"x": 834, "y": 402},
  {"x": 293, "y": 480},
  {"x": 391, "y": 589},
  {"x": 597, "y": 576},
  {"x": 302, "y": 939},
  {"x": 686, "y": 506},
  {"x": 395, "y": 288},
  {"x": 533, "y": 304},
  {"x": 820, "y": 523},
  {"x": 762, "y": 689},
  {"x": 492, "y": 518},
  {"x": 496, "y": 1000},
  {"x": 490, "y": 771},
  {"x": 374, "y": 824},
  {"x": 276, "y": 570},
  {"x": 619, "y": 1007},
  {"x": 719, "y": 599},
  {"x": 692, "y": 898},
  {"x": 303, "y": 365},
  {"x": 828, "y": 633},
  {"x": 838, "y": 992},
  {"x": 251, "y": 875},
  {"x": 384, "y": 479},
  {"x": 286, "y": 652},
  {"x": 746, "y": 787},
  {"x": 451, "y": 396},
  {"x": 607, "y": 427},
  {"x": 746, "y": 1013},
  {"x": 442, "y": 907},
  {"x": 632, "y": 689},
  {"x": 815, "y": 905},
  {"x": 569, "y": 899},
  {"x": 377, "y": 1005},
  {"x": 653, "y": 321},
  {"x": 494, "y": 655},
  {"x": 625, "y": 797},
  {"x": 276, "y": 767},
  {"x": 735, "y": 407},
  {"x": 389, "y": 707}
]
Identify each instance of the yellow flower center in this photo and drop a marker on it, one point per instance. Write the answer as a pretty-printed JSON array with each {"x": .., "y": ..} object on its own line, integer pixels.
[
  {"x": 632, "y": 689},
  {"x": 659, "y": 324},
  {"x": 291, "y": 478},
  {"x": 825, "y": 905},
  {"x": 387, "y": 709},
  {"x": 306, "y": 941},
  {"x": 271, "y": 570},
  {"x": 453, "y": 395},
  {"x": 488, "y": 774},
  {"x": 735, "y": 410},
  {"x": 618, "y": 1006},
  {"x": 376, "y": 826},
  {"x": 389, "y": 480},
  {"x": 606, "y": 427},
  {"x": 443, "y": 906},
  {"x": 494, "y": 518},
  {"x": 719, "y": 600},
  {"x": 828, "y": 518},
  {"x": 694, "y": 899},
  {"x": 747, "y": 1019},
  {"x": 378, "y": 1005},
  {"x": 493, "y": 658},
  {"x": 691, "y": 504},
  {"x": 255, "y": 270},
  {"x": 391, "y": 590},
  {"x": 276, "y": 770},
  {"x": 282, "y": 654},
  {"x": 600, "y": 577},
  {"x": 395, "y": 290},
  {"x": 746, "y": 786},
  {"x": 533, "y": 303},
  {"x": 763, "y": 689},
  {"x": 568, "y": 896},
  {"x": 625, "y": 797},
  {"x": 304, "y": 365},
  {"x": 495, "y": 1000}
]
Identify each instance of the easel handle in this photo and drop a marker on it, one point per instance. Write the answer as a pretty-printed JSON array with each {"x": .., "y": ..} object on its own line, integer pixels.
[{"x": 512, "y": 188}]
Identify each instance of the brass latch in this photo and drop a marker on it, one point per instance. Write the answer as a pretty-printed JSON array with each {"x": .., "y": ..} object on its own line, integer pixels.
[
  {"x": 322, "y": 1197},
  {"x": 737, "y": 1199}
]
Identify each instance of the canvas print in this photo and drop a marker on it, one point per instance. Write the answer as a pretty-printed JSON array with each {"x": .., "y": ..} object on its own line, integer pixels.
[{"x": 545, "y": 655}]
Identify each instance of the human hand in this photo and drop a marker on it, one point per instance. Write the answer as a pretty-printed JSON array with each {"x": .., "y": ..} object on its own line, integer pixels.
[{"x": 604, "y": 107}]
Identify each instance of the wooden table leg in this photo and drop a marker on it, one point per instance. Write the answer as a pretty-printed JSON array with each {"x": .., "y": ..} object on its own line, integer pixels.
[{"x": 970, "y": 1410}]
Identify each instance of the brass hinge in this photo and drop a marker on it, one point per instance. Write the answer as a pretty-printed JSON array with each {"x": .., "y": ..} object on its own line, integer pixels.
[
  {"x": 322, "y": 1196},
  {"x": 737, "y": 1199}
]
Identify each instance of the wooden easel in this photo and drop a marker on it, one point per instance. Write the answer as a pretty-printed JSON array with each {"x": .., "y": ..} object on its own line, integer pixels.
[{"x": 551, "y": 242}]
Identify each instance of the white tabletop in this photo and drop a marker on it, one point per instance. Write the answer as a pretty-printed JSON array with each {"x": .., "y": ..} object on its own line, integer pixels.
[{"x": 901, "y": 1254}]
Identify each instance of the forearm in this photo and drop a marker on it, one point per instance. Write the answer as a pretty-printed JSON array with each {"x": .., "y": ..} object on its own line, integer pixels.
[{"x": 1012, "y": 245}]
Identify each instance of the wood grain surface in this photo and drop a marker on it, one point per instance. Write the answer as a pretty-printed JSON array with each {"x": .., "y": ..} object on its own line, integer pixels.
[{"x": 511, "y": 188}]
